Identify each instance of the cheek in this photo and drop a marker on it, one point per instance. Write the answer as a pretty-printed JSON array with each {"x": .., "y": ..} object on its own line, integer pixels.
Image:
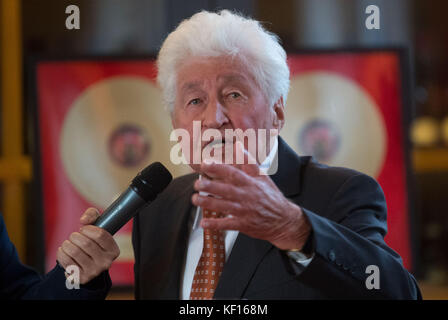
[
  {"x": 250, "y": 118},
  {"x": 179, "y": 119},
  {"x": 182, "y": 116},
  {"x": 264, "y": 117}
]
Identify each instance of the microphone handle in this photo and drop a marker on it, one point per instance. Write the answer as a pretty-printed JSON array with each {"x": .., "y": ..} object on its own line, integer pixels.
[{"x": 120, "y": 211}]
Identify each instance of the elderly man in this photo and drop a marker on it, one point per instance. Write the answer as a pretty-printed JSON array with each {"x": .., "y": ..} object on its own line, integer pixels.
[{"x": 308, "y": 231}]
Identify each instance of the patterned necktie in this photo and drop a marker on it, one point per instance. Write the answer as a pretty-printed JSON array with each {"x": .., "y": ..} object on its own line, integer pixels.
[{"x": 210, "y": 264}]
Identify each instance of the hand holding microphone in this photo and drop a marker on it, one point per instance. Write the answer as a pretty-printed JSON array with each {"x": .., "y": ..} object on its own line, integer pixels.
[{"x": 92, "y": 249}]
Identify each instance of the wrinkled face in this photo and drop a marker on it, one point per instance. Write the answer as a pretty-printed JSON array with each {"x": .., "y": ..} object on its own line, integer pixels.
[{"x": 221, "y": 94}]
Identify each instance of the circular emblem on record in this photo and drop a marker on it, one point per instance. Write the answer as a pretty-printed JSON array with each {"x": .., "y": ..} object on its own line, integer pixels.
[
  {"x": 333, "y": 119},
  {"x": 128, "y": 145},
  {"x": 321, "y": 139}
]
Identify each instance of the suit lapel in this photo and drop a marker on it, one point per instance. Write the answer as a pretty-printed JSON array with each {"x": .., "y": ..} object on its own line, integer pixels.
[
  {"x": 247, "y": 252},
  {"x": 288, "y": 176}
]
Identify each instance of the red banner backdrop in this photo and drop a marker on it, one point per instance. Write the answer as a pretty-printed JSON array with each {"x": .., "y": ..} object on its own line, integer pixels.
[{"x": 346, "y": 110}]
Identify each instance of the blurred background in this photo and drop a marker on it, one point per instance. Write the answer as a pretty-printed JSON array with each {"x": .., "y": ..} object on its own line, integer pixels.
[{"x": 56, "y": 81}]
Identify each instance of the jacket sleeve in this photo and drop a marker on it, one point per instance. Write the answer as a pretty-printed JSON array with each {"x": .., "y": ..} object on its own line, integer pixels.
[
  {"x": 52, "y": 287},
  {"x": 18, "y": 281},
  {"x": 348, "y": 238}
]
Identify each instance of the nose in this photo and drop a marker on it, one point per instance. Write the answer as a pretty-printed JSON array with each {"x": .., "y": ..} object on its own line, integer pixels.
[{"x": 214, "y": 115}]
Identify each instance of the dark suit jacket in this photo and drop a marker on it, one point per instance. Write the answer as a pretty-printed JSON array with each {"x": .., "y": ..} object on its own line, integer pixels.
[
  {"x": 347, "y": 212},
  {"x": 18, "y": 281}
]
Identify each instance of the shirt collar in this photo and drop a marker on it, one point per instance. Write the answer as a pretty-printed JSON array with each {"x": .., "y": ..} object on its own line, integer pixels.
[{"x": 267, "y": 163}]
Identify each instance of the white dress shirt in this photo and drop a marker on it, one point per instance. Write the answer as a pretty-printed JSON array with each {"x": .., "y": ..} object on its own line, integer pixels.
[{"x": 196, "y": 241}]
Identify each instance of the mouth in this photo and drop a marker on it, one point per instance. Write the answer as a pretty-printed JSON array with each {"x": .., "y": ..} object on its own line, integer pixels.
[{"x": 215, "y": 142}]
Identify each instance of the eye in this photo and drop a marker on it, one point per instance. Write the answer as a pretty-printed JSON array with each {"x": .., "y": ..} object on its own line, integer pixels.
[
  {"x": 234, "y": 95},
  {"x": 195, "y": 101}
]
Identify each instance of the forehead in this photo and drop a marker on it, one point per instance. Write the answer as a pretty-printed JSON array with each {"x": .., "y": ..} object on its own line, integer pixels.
[{"x": 197, "y": 71}]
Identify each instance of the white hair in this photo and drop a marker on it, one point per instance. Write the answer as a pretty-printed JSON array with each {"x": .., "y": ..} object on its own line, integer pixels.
[{"x": 208, "y": 34}]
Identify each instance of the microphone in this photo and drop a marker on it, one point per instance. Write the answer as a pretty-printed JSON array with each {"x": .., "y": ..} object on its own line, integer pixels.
[{"x": 144, "y": 189}]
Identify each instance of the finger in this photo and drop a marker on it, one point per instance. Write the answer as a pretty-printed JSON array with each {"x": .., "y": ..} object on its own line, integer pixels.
[
  {"x": 221, "y": 224},
  {"x": 90, "y": 247},
  {"x": 224, "y": 172},
  {"x": 89, "y": 216},
  {"x": 64, "y": 260},
  {"x": 218, "y": 188},
  {"x": 103, "y": 238},
  {"x": 217, "y": 205},
  {"x": 78, "y": 255}
]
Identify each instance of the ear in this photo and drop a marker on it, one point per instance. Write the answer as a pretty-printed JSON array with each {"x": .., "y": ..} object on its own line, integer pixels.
[{"x": 279, "y": 114}]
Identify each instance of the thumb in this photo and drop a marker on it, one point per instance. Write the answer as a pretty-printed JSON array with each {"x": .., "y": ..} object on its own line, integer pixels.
[
  {"x": 249, "y": 164},
  {"x": 89, "y": 216}
]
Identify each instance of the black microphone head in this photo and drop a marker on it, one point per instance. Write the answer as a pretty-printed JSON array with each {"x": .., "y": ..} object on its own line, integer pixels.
[{"x": 151, "y": 181}]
